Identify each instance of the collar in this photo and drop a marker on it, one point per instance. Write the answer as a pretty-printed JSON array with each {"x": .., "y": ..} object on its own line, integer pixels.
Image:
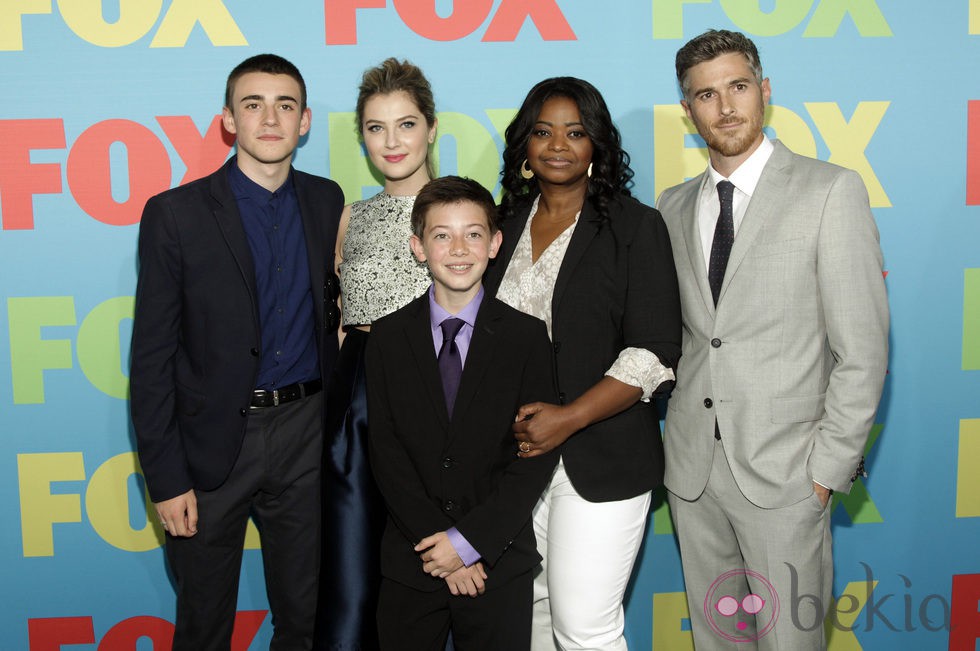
[
  {"x": 245, "y": 188},
  {"x": 438, "y": 314},
  {"x": 746, "y": 177}
]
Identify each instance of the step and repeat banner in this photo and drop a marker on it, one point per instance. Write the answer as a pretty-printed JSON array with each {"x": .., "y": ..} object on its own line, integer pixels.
[{"x": 108, "y": 103}]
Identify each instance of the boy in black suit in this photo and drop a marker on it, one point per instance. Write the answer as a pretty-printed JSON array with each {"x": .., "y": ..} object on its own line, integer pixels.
[
  {"x": 234, "y": 334},
  {"x": 446, "y": 375}
]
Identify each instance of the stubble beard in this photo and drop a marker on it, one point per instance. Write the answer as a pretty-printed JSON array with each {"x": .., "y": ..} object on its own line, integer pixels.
[{"x": 737, "y": 142}]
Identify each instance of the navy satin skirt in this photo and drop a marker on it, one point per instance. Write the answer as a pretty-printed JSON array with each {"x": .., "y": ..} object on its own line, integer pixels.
[{"x": 353, "y": 513}]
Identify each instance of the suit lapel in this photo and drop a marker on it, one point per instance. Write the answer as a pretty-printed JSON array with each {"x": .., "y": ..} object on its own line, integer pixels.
[
  {"x": 314, "y": 244},
  {"x": 418, "y": 338},
  {"x": 585, "y": 231},
  {"x": 692, "y": 234},
  {"x": 480, "y": 356},
  {"x": 229, "y": 220},
  {"x": 760, "y": 210}
]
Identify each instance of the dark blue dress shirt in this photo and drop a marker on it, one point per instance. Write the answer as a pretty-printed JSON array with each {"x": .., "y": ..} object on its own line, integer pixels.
[{"x": 274, "y": 229}]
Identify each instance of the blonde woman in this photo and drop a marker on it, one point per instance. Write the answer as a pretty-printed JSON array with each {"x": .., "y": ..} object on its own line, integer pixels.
[{"x": 378, "y": 274}]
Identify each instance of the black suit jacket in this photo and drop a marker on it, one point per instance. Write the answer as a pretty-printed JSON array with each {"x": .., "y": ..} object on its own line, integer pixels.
[
  {"x": 616, "y": 289},
  {"x": 436, "y": 473},
  {"x": 195, "y": 350}
]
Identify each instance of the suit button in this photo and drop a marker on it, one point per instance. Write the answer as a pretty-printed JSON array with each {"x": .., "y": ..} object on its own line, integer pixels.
[
  {"x": 254, "y": 351},
  {"x": 716, "y": 343},
  {"x": 708, "y": 403},
  {"x": 243, "y": 412},
  {"x": 447, "y": 462},
  {"x": 561, "y": 398},
  {"x": 448, "y": 505},
  {"x": 557, "y": 346}
]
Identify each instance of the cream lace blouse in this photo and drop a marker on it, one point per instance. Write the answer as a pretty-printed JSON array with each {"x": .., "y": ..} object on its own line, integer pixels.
[{"x": 529, "y": 287}]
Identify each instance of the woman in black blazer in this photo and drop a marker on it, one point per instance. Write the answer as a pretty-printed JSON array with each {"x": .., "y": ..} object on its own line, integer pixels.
[{"x": 596, "y": 266}]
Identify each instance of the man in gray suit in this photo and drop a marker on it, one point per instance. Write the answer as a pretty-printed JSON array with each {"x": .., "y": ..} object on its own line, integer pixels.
[{"x": 785, "y": 345}]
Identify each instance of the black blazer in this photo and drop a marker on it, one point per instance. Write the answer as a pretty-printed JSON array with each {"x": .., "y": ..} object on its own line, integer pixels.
[
  {"x": 195, "y": 349},
  {"x": 435, "y": 473},
  {"x": 616, "y": 289}
]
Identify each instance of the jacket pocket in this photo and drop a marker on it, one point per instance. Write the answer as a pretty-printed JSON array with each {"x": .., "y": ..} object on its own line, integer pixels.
[
  {"x": 797, "y": 409},
  {"x": 766, "y": 249},
  {"x": 189, "y": 402}
]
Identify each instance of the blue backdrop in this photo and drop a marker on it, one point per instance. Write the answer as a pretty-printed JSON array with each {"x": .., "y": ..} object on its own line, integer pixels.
[{"x": 110, "y": 102}]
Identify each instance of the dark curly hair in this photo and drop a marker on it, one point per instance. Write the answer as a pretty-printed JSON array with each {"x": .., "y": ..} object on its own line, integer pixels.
[{"x": 611, "y": 173}]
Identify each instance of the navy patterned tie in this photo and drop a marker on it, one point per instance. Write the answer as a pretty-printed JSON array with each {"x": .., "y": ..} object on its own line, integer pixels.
[
  {"x": 721, "y": 245},
  {"x": 450, "y": 362}
]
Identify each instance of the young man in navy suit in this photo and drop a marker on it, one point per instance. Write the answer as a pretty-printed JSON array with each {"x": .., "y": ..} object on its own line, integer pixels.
[
  {"x": 234, "y": 334},
  {"x": 446, "y": 375}
]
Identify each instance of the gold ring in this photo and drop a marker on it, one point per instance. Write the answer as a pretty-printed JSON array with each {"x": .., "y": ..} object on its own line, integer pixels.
[{"x": 525, "y": 446}]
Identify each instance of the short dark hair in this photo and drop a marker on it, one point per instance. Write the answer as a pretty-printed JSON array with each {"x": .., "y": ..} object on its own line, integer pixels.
[
  {"x": 710, "y": 45},
  {"x": 448, "y": 190},
  {"x": 272, "y": 64},
  {"x": 611, "y": 173}
]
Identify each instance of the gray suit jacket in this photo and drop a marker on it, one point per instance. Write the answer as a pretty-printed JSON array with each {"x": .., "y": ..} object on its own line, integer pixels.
[{"x": 792, "y": 361}]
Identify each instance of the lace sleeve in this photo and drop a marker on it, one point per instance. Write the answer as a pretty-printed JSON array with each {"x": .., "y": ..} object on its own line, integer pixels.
[{"x": 639, "y": 367}]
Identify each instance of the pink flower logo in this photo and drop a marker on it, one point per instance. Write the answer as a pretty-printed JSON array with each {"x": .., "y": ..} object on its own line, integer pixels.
[{"x": 741, "y": 606}]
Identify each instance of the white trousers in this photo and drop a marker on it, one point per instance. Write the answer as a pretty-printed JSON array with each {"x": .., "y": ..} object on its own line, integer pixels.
[{"x": 588, "y": 549}]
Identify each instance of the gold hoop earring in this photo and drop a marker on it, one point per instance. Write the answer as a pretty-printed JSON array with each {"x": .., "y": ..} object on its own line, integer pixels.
[
  {"x": 526, "y": 171},
  {"x": 588, "y": 172}
]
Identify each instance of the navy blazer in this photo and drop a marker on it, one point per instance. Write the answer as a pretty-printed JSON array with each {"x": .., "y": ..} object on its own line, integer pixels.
[
  {"x": 436, "y": 473},
  {"x": 616, "y": 289},
  {"x": 195, "y": 348}
]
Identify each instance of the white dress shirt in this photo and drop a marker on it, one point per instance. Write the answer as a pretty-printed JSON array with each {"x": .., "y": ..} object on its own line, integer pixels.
[{"x": 745, "y": 178}]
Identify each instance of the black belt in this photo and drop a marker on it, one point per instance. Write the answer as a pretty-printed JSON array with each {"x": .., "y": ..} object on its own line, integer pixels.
[{"x": 262, "y": 398}]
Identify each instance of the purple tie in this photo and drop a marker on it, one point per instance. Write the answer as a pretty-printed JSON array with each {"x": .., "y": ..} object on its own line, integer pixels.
[
  {"x": 450, "y": 363},
  {"x": 721, "y": 245}
]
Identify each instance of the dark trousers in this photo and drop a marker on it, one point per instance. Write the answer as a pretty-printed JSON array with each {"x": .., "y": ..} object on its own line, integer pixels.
[
  {"x": 277, "y": 479},
  {"x": 413, "y": 620}
]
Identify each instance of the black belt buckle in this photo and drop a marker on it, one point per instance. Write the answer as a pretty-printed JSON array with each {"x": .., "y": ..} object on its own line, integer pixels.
[{"x": 260, "y": 397}]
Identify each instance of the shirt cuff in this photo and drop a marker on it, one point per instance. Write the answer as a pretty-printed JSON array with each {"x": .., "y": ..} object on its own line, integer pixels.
[
  {"x": 463, "y": 549},
  {"x": 638, "y": 367}
]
